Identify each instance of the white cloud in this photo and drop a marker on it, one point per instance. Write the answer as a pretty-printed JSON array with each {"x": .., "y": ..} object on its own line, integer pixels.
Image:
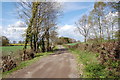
[
  {"x": 18, "y": 24},
  {"x": 69, "y": 31},
  {"x": 0, "y": 30},
  {"x": 14, "y": 31}
]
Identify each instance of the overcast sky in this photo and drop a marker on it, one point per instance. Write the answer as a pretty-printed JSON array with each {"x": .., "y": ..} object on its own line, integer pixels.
[{"x": 13, "y": 28}]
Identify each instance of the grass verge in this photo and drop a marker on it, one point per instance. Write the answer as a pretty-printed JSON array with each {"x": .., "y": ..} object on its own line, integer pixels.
[
  {"x": 91, "y": 66},
  {"x": 26, "y": 63}
]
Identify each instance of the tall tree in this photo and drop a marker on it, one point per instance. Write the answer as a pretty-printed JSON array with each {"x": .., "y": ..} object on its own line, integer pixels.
[
  {"x": 98, "y": 13},
  {"x": 40, "y": 22},
  {"x": 83, "y": 26},
  {"x": 4, "y": 40}
]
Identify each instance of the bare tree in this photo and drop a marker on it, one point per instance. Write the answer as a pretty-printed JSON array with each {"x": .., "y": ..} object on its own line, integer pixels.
[{"x": 83, "y": 26}]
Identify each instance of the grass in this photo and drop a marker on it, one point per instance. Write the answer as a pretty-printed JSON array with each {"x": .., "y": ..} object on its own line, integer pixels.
[
  {"x": 71, "y": 44},
  {"x": 56, "y": 47},
  {"x": 18, "y": 44},
  {"x": 91, "y": 66},
  {"x": 10, "y": 50},
  {"x": 26, "y": 63}
]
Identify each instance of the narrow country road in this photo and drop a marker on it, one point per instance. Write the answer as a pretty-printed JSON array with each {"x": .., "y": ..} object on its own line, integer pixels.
[{"x": 61, "y": 64}]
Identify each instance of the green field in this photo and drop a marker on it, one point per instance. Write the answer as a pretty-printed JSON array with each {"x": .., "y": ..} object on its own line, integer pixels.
[
  {"x": 72, "y": 44},
  {"x": 11, "y": 50}
]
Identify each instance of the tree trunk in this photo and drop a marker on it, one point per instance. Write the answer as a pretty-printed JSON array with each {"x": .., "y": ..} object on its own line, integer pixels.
[
  {"x": 34, "y": 41},
  {"x": 43, "y": 45},
  {"x": 108, "y": 33},
  {"x": 48, "y": 45},
  {"x": 100, "y": 29},
  {"x": 112, "y": 30},
  {"x": 31, "y": 43},
  {"x": 37, "y": 46},
  {"x": 85, "y": 39}
]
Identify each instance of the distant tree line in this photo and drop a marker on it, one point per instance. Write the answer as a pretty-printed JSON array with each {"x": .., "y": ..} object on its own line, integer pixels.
[
  {"x": 4, "y": 41},
  {"x": 101, "y": 23},
  {"x": 65, "y": 40}
]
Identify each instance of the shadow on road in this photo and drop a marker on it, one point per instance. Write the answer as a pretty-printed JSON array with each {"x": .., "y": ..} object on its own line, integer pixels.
[{"x": 59, "y": 51}]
